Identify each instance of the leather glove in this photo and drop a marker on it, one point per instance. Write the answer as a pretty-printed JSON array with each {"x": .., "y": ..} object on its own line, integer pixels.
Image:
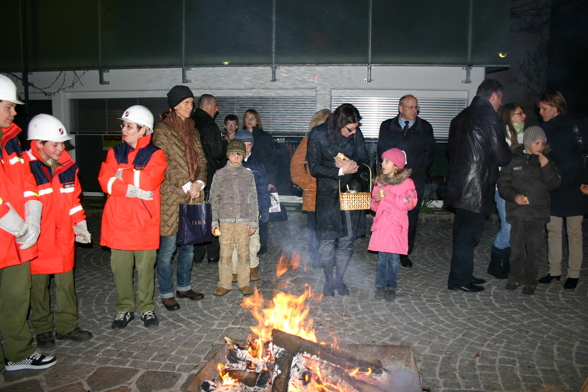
[
  {"x": 28, "y": 238},
  {"x": 12, "y": 222},
  {"x": 83, "y": 236},
  {"x": 133, "y": 191}
]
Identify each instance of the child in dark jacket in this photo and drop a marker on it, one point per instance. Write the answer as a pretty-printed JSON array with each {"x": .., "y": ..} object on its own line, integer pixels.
[
  {"x": 525, "y": 184},
  {"x": 393, "y": 196}
]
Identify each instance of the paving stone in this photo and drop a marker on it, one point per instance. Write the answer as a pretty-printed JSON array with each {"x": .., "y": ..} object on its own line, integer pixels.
[
  {"x": 109, "y": 376},
  {"x": 77, "y": 387},
  {"x": 156, "y": 381},
  {"x": 24, "y": 386}
]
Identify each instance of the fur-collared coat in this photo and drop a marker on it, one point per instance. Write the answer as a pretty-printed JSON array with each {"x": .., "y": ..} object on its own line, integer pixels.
[
  {"x": 176, "y": 175},
  {"x": 390, "y": 226}
]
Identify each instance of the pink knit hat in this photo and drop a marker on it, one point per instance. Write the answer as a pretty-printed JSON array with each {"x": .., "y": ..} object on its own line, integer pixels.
[{"x": 396, "y": 156}]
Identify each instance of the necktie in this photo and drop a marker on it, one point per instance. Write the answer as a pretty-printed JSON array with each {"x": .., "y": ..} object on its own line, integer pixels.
[{"x": 405, "y": 129}]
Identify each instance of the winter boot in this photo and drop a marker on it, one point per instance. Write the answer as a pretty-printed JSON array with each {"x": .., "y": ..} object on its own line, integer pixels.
[
  {"x": 254, "y": 275},
  {"x": 339, "y": 284},
  {"x": 329, "y": 287},
  {"x": 499, "y": 266}
]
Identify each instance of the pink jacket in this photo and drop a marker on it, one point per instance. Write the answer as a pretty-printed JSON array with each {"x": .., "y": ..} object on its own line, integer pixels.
[{"x": 390, "y": 226}]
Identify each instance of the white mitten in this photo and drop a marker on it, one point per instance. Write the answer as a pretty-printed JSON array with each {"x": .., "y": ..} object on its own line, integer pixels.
[
  {"x": 28, "y": 238},
  {"x": 83, "y": 236}
]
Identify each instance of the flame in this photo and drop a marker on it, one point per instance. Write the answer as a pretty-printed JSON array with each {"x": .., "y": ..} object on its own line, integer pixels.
[
  {"x": 285, "y": 263},
  {"x": 227, "y": 380}
]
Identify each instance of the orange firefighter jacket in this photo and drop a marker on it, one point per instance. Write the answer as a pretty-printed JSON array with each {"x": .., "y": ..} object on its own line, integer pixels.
[
  {"x": 60, "y": 194},
  {"x": 17, "y": 186},
  {"x": 131, "y": 223}
]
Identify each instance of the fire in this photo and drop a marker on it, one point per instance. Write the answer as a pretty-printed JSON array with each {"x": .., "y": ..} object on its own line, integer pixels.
[
  {"x": 286, "y": 262},
  {"x": 227, "y": 380}
]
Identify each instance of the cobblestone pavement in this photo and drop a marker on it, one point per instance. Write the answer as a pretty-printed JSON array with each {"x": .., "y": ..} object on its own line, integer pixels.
[{"x": 490, "y": 341}]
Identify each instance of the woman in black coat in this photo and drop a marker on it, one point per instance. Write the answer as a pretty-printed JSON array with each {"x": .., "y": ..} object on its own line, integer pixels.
[
  {"x": 337, "y": 229},
  {"x": 569, "y": 202}
]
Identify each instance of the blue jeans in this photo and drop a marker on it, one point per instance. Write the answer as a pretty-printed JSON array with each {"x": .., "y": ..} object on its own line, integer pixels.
[
  {"x": 502, "y": 239},
  {"x": 387, "y": 270},
  {"x": 167, "y": 248}
]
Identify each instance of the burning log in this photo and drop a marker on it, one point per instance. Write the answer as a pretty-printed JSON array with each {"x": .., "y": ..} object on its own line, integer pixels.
[
  {"x": 283, "y": 363},
  {"x": 347, "y": 361},
  {"x": 251, "y": 379}
]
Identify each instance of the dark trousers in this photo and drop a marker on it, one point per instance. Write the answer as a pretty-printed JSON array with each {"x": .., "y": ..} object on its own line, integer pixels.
[
  {"x": 211, "y": 248},
  {"x": 263, "y": 234},
  {"x": 313, "y": 239},
  {"x": 529, "y": 236},
  {"x": 467, "y": 231},
  {"x": 413, "y": 215}
]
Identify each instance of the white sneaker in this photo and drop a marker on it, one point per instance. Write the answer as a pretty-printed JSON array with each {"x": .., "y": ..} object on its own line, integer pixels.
[{"x": 36, "y": 361}]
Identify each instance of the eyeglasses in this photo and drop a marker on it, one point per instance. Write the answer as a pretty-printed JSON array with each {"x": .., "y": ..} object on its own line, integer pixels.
[
  {"x": 231, "y": 124},
  {"x": 351, "y": 130},
  {"x": 250, "y": 118},
  {"x": 412, "y": 107},
  {"x": 519, "y": 113}
]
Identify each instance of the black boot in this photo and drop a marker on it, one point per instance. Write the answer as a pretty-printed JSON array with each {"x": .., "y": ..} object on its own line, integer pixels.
[
  {"x": 499, "y": 266},
  {"x": 329, "y": 287},
  {"x": 339, "y": 284}
]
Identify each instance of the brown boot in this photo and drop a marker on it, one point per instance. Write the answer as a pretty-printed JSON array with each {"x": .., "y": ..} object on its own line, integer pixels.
[
  {"x": 254, "y": 275},
  {"x": 246, "y": 290},
  {"x": 220, "y": 291},
  {"x": 235, "y": 278},
  {"x": 170, "y": 304}
]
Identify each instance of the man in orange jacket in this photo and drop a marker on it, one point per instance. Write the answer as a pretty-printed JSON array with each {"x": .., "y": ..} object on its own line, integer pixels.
[
  {"x": 63, "y": 222},
  {"x": 18, "y": 237}
]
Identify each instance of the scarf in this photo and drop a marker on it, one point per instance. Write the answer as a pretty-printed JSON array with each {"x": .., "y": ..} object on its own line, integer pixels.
[{"x": 185, "y": 129}]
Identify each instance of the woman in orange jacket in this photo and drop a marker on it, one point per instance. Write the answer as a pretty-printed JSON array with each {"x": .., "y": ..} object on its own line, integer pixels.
[
  {"x": 132, "y": 177},
  {"x": 62, "y": 223},
  {"x": 300, "y": 173}
]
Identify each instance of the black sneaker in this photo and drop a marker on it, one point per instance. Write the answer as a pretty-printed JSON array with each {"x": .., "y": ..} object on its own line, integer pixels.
[
  {"x": 511, "y": 285},
  {"x": 150, "y": 319},
  {"x": 389, "y": 295},
  {"x": 36, "y": 361},
  {"x": 122, "y": 319},
  {"x": 405, "y": 261},
  {"x": 77, "y": 335},
  {"x": 45, "y": 340}
]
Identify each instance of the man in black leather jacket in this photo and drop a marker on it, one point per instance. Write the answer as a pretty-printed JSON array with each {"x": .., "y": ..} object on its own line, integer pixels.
[{"x": 476, "y": 149}]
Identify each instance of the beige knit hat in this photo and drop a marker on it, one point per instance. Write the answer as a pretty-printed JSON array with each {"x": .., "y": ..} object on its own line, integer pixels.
[{"x": 532, "y": 134}]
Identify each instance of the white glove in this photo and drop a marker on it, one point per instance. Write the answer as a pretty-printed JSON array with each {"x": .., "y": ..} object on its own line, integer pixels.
[
  {"x": 12, "y": 222},
  {"x": 118, "y": 174},
  {"x": 83, "y": 236},
  {"x": 133, "y": 191},
  {"x": 28, "y": 238}
]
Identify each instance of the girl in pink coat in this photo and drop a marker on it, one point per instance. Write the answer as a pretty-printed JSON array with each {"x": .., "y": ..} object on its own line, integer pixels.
[{"x": 392, "y": 197}]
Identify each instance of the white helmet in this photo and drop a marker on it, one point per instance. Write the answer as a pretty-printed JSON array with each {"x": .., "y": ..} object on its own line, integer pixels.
[
  {"x": 139, "y": 115},
  {"x": 46, "y": 127},
  {"x": 8, "y": 90}
]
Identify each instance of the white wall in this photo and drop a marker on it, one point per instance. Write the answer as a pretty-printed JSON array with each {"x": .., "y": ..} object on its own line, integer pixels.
[{"x": 292, "y": 80}]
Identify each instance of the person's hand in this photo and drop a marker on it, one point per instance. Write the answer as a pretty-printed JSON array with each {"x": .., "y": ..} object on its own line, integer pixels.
[
  {"x": 349, "y": 166},
  {"x": 216, "y": 231},
  {"x": 543, "y": 160},
  {"x": 133, "y": 191},
  {"x": 83, "y": 236},
  {"x": 271, "y": 188},
  {"x": 251, "y": 230},
  {"x": 339, "y": 161},
  {"x": 195, "y": 189},
  {"x": 380, "y": 195},
  {"x": 522, "y": 200}
]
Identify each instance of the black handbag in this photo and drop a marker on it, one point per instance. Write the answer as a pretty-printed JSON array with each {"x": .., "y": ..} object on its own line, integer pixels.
[{"x": 194, "y": 226}]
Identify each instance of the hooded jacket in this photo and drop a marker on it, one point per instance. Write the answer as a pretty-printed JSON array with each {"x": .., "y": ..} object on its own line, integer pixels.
[
  {"x": 60, "y": 194},
  {"x": 390, "y": 226},
  {"x": 525, "y": 176},
  {"x": 17, "y": 186},
  {"x": 476, "y": 149},
  {"x": 131, "y": 223}
]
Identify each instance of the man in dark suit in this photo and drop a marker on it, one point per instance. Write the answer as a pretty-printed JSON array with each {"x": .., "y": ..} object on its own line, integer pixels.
[{"x": 414, "y": 136}]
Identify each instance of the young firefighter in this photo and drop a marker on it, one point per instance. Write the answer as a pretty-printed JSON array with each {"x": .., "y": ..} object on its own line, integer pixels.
[
  {"x": 263, "y": 203},
  {"x": 132, "y": 177},
  {"x": 392, "y": 197},
  {"x": 63, "y": 222},
  {"x": 20, "y": 220},
  {"x": 234, "y": 213},
  {"x": 525, "y": 184}
]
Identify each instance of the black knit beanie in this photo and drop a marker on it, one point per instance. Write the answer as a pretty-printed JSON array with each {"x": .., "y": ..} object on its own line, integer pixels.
[{"x": 177, "y": 94}]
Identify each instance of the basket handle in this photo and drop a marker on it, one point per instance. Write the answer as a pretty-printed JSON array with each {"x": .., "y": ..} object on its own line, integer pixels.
[{"x": 371, "y": 182}]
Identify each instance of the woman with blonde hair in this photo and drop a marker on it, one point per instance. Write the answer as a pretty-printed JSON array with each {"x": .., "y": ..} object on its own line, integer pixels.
[{"x": 300, "y": 173}]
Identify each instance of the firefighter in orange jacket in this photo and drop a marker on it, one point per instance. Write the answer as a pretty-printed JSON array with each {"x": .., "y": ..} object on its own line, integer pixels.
[
  {"x": 20, "y": 217},
  {"x": 132, "y": 177},
  {"x": 63, "y": 222}
]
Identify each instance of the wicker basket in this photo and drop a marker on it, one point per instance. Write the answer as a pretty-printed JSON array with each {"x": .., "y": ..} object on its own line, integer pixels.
[{"x": 358, "y": 200}]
